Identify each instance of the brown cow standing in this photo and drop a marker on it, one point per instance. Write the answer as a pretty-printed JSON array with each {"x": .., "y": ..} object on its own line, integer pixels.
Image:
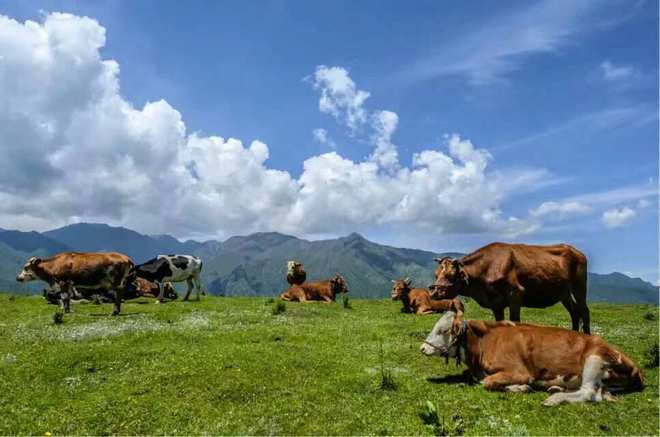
[
  {"x": 295, "y": 273},
  {"x": 502, "y": 275},
  {"x": 516, "y": 357},
  {"x": 67, "y": 270},
  {"x": 418, "y": 300},
  {"x": 324, "y": 291}
]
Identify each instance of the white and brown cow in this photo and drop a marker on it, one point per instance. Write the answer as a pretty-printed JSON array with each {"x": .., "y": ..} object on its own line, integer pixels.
[
  {"x": 172, "y": 268},
  {"x": 519, "y": 357},
  {"x": 68, "y": 271}
]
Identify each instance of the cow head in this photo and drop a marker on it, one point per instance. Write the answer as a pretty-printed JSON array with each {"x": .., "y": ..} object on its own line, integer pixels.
[
  {"x": 169, "y": 291},
  {"x": 450, "y": 278},
  {"x": 29, "y": 271},
  {"x": 443, "y": 339},
  {"x": 339, "y": 284},
  {"x": 293, "y": 267},
  {"x": 400, "y": 287}
]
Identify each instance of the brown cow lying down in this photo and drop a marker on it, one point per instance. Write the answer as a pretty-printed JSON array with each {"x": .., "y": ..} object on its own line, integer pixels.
[
  {"x": 520, "y": 357},
  {"x": 418, "y": 300},
  {"x": 324, "y": 291},
  {"x": 295, "y": 273}
]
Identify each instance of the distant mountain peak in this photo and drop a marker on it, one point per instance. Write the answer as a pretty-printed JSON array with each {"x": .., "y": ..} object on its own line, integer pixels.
[{"x": 354, "y": 236}]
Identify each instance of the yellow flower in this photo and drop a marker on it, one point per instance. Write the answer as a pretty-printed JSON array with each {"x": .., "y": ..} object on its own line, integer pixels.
[{"x": 47, "y": 434}]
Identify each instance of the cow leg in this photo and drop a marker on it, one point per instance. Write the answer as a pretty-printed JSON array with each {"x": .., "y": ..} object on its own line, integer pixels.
[
  {"x": 584, "y": 314},
  {"x": 591, "y": 388},
  {"x": 191, "y": 285},
  {"x": 189, "y": 282},
  {"x": 161, "y": 291},
  {"x": 572, "y": 310},
  {"x": 198, "y": 284},
  {"x": 118, "y": 296},
  {"x": 514, "y": 312},
  {"x": 499, "y": 314},
  {"x": 508, "y": 380},
  {"x": 65, "y": 296}
]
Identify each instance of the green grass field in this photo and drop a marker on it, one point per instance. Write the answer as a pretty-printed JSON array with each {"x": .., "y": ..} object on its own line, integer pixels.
[{"x": 231, "y": 366}]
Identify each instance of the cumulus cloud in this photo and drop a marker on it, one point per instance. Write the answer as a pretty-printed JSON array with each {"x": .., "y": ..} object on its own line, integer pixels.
[
  {"x": 614, "y": 218},
  {"x": 340, "y": 96},
  {"x": 560, "y": 209},
  {"x": 75, "y": 149}
]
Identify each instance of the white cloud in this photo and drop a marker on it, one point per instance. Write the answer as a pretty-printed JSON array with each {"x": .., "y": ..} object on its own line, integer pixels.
[
  {"x": 613, "y": 218},
  {"x": 612, "y": 72},
  {"x": 340, "y": 97},
  {"x": 560, "y": 209},
  {"x": 491, "y": 50},
  {"x": 74, "y": 149},
  {"x": 322, "y": 137},
  {"x": 384, "y": 124}
]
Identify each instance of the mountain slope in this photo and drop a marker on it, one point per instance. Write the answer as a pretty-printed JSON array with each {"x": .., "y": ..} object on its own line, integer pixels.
[{"x": 31, "y": 241}]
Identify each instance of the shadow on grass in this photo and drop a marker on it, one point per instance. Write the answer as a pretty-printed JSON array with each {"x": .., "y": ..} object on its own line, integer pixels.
[{"x": 461, "y": 378}]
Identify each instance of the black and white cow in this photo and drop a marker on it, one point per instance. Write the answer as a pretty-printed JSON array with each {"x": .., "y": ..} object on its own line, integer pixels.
[{"x": 172, "y": 268}]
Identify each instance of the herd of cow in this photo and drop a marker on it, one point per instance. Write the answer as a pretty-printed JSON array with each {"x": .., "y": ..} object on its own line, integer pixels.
[{"x": 503, "y": 355}]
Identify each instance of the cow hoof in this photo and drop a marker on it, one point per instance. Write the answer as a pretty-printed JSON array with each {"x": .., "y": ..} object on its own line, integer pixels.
[
  {"x": 555, "y": 389},
  {"x": 115, "y": 313},
  {"x": 553, "y": 400}
]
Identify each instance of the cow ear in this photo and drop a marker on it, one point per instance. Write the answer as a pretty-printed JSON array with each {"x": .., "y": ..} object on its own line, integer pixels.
[
  {"x": 35, "y": 260},
  {"x": 438, "y": 260},
  {"x": 408, "y": 281}
]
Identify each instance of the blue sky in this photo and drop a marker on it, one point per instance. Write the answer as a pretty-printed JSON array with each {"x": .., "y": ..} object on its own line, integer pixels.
[{"x": 560, "y": 97}]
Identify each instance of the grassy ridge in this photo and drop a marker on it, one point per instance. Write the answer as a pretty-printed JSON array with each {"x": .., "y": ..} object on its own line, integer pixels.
[{"x": 231, "y": 366}]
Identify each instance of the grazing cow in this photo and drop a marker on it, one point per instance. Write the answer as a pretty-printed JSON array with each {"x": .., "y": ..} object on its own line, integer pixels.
[
  {"x": 172, "y": 268},
  {"x": 502, "y": 275},
  {"x": 63, "y": 272},
  {"x": 418, "y": 300},
  {"x": 519, "y": 357},
  {"x": 295, "y": 273},
  {"x": 325, "y": 291}
]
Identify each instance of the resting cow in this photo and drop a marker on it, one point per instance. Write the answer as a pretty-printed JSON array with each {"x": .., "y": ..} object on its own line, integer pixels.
[
  {"x": 418, "y": 300},
  {"x": 172, "y": 268},
  {"x": 324, "y": 291},
  {"x": 295, "y": 273},
  {"x": 509, "y": 356},
  {"x": 503, "y": 275},
  {"x": 68, "y": 271}
]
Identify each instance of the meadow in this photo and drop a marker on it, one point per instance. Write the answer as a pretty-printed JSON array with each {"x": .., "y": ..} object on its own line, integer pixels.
[{"x": 255, "y": 366}]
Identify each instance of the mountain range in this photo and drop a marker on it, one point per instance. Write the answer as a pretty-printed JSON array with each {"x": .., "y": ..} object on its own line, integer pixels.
[{"x": 254, "y": 265}]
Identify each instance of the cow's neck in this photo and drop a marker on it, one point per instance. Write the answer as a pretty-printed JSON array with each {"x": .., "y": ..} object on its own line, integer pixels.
[
  {"x": 475, "y": 286},
  {"x": 43, "y": 274}
]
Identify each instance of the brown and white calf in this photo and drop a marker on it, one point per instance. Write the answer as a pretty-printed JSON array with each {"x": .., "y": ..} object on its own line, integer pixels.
[
  {"x": 68, "y": 271},
  {"x": 418, "y": 300},
  {"x": 520, "y": 357}
]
